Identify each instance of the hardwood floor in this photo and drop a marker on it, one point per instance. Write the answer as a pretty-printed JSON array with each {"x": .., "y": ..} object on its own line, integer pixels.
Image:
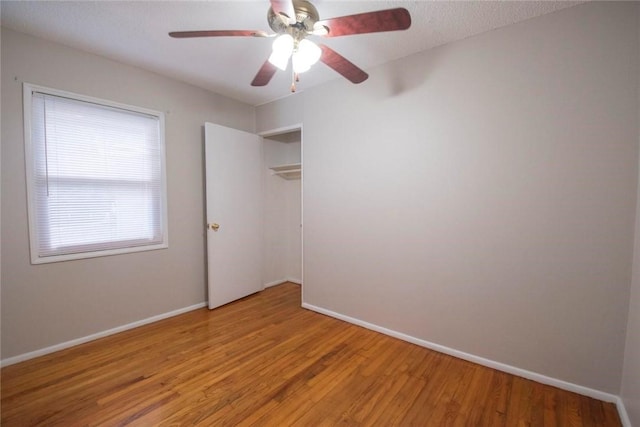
[{"x": 266, "y": 361}]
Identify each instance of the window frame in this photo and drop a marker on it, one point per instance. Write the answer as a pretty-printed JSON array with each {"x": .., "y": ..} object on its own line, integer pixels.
[{"x": 34, "y": 238}]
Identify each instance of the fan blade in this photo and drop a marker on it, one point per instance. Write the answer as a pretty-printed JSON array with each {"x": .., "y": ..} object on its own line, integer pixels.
[
  {"x": 264, "y": 75},
  {"x": 219, "y": 33},
  {"x": 342, "y": 65},
  {"x": 368, "y": 22},
  {"x": 286, "y": 7}
]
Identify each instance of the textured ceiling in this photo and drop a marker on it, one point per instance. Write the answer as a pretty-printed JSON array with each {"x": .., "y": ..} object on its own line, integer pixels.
[{"x": 135, "y": 32}]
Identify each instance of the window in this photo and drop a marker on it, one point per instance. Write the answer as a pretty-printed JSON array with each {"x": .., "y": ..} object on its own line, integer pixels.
[{"x": 95, "y": 176}]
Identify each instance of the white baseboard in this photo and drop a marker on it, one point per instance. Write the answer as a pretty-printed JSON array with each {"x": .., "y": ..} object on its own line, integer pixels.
[
  {"x": 281, "y": 281},
  {"x": 596, "y": 394},
  {"x": 33, "y": 354},
  {"x": 622, "y": 411},
  {"x": 274, "y": 283}
]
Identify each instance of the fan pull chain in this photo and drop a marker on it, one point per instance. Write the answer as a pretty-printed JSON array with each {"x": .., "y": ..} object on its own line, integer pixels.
[{"x": 294, "y": 79}]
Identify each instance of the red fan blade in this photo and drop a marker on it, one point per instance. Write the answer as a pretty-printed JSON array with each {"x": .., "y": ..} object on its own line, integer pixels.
[
  {"x": 265, "y": 73},
  {"x": 219, "y": 33},
  {"x": 284, "y": 6},
  {"x": 342, "y": 65},
  {"x": 369, "y": 22}
]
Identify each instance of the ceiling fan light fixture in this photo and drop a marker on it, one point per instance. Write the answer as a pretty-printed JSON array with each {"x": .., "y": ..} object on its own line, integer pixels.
[
  {"x": 299, "y": 65},
  {"x": 309, "y": 51},
  {"x": 282, "y": 49},
  {"x": 307, "y": 54},
  {"x": 280, "y": 61}
]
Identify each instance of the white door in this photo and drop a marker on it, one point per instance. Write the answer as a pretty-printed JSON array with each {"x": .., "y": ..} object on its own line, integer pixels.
[{"x": 234, "y": 213}]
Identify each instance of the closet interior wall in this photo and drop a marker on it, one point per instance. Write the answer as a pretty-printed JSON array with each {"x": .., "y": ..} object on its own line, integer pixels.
[{"x": 283, "y": 211}]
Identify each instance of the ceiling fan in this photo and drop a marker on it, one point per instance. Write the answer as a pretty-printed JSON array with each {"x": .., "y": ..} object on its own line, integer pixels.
[{"x": 293, "y": 21}]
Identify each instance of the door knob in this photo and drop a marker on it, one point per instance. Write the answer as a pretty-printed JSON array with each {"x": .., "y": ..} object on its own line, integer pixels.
[{"x": 213, "y": 226}]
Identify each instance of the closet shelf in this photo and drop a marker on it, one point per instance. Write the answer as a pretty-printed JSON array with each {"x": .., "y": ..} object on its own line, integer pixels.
[{"x": 293, "y": 171}]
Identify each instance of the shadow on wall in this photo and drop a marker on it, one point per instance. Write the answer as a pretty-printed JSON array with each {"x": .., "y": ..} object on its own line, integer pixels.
[{"x": 405, "y": 76}]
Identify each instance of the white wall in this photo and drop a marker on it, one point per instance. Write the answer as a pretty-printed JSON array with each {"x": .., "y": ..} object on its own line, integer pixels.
[
  {"x": 482, "y": 195},
  {"x": 631, "y": 371},
  {"x": 282, "y": 238},
  {"x": 49, "y": 304},
  {"x": 293, "y": 267}
]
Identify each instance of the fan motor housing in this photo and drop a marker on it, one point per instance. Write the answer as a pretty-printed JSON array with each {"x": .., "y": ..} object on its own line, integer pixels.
[{"x": 306, "y": 16}]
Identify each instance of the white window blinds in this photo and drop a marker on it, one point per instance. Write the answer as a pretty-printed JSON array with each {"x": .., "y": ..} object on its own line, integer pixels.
[{"x": 97, "y": 184}]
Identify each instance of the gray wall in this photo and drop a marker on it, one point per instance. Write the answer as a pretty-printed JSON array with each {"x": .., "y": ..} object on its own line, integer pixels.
[
  {"x": 482, "y": 195},
  {"x": 48, "y": 304},
  {"x": 631, "y": 372},
  {"x": 285, "y": 113}
]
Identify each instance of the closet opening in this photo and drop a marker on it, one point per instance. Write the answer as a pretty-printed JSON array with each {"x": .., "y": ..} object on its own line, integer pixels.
[{"x": 282, "y": 258}]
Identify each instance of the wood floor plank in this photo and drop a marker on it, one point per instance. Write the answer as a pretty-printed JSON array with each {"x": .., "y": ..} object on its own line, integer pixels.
[
  {"x": 265, "y": 361},
  {"x": 427, "y": 398}
]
